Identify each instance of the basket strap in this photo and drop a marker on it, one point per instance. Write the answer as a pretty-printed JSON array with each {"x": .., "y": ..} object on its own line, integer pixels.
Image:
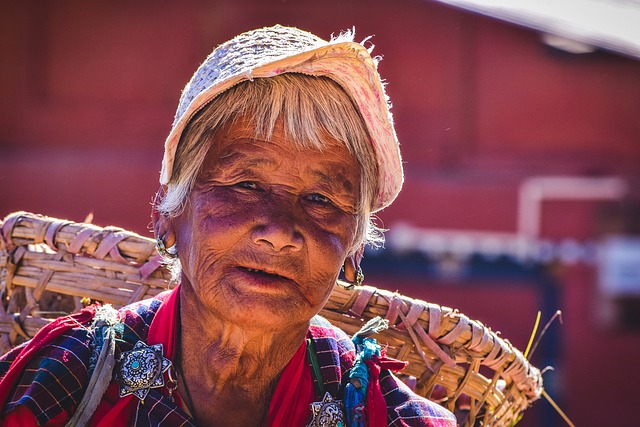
[
  {"x": 395, "y": 304},
  {"x": 40, "y": 232},
  {"x": 361, "y": 302},
  {"x": 52, "y": 229},
  {"x": 150, "y": 266},
  {"x": 452, "y": 336},
  {"x": 7, "y": 227},
  {"x": 109, "y": 245},
  {"x": 517, "y": 367},
  {"x": 417, "y": 332},
  {"x": 76, "y": 244},
  {"x": 498, "y": 355},
  {"x": 417, "y": 307},
  {"x": 18, "y": 326},
  {"x": 435, "y": 315},
  {"x": 479, "y": 337},
  {"x": 12, "y": 264},
  {"x": 433, "y": 346}
]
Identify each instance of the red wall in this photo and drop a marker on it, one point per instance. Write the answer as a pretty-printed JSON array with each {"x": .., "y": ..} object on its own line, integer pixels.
[{"x": 89, "y": 90}]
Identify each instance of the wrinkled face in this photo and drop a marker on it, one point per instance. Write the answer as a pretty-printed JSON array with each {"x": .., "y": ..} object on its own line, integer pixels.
[{"x": 267, "y": 227}]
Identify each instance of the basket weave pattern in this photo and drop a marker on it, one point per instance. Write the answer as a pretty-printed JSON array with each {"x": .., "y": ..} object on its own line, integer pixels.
[{"x": 456, "y": 361}]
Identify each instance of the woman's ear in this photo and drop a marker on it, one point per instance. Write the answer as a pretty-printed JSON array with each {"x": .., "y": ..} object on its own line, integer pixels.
[
  {"x": 162, "y": 226},
  {"x": 352, "y": 264}
]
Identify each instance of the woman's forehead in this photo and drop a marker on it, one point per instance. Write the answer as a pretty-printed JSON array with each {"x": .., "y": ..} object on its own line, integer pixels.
[
  {"x": 240, "y": 139},
  {"x": 252, "y": 152},
  {"x": 237, "y": 149},
  {"x": 241, "y": 126}
]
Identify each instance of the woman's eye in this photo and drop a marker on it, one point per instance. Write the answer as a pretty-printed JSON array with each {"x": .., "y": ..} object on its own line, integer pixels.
[
  {"x": 318, "y": 198},
  {"x": 249, "y": 185}
]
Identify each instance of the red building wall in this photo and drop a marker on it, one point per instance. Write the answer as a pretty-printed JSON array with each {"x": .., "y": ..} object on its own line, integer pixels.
[{"x": 88, "y": 92}]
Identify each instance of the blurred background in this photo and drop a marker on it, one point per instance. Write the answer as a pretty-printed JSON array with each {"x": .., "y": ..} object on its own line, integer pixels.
[{"x": 520, "y": 129}]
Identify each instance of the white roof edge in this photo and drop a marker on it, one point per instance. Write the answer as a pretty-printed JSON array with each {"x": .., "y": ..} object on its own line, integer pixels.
[{"x": 609, "y": 24}]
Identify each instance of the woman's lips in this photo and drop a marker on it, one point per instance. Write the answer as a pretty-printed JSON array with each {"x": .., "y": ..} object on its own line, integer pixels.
[
  {"x": 264, "y": 279},
  {"x": 260, "y": 271}
]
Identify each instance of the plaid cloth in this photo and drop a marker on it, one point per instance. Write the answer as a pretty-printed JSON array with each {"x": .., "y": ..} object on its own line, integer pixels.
[
  {"x": 336, "y": 355},
  {"x": 54, "y": 380}
]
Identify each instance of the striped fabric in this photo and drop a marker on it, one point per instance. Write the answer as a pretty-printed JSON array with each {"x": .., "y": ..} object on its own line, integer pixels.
[
  {"x": 405, "y": 408},
  {"x": 54, "y": 381}
]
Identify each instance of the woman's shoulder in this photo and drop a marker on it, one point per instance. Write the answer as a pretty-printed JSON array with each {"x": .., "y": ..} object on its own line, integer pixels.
[
  {"x": 323, "y": 330},
  {"x": 55, "y": 366},
  {"x": 137, "y": 317},
  {"x": 330, "y": 329},
  {"x": 406, "y": 408}
]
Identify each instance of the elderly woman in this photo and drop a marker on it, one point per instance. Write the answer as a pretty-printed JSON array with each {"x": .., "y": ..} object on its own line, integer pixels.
[{"x": 281, "y": 150}]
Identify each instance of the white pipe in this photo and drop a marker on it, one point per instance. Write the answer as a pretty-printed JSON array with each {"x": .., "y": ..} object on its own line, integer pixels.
[
  {"x": 526, "y": 242},
  {"x": 533, "y": 191}
]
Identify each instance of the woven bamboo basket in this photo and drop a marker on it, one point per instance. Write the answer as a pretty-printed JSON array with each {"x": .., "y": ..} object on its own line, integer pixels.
[{"x": 49, "y": 267}]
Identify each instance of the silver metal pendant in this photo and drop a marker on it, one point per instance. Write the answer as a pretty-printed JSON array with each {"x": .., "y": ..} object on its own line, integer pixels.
[
  {"x": 327, "y": 413},
  {"x": 141, "y": 369}
]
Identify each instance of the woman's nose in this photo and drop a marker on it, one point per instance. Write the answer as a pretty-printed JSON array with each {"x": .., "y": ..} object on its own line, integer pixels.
[{"x": 278, "y": 233}]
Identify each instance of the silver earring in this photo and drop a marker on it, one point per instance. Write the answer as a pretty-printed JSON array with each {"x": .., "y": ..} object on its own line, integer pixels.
[
  {"x": 357, "y": 282},
  {"x": 359, "y": 278},
  {"x": 162, "y": 249}
]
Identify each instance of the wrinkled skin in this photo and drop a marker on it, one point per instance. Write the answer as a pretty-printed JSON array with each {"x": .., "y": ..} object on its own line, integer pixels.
[
  {"x": 261, "y": 241},
  {"x": 265, "y": 206}
]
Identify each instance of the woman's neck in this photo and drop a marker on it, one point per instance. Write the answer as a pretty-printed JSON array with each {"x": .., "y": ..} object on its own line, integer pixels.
[{"x": 225, "y": 365}]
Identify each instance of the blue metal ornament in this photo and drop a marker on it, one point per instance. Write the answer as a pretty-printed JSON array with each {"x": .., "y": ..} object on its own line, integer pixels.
[{"x": 141, "y": 368}]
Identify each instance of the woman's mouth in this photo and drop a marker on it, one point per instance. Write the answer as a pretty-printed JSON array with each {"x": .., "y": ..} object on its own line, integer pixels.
[
  {"x": 263, "y": 278},
  {"x": 263, "y": 272}
]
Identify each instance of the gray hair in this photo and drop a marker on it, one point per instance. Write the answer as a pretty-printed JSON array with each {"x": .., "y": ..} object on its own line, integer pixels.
[{"x": 310, "y": 107}]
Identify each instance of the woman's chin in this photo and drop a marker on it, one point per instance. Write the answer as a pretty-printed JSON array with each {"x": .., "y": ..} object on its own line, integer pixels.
[{"x": 262, "y": 302}]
